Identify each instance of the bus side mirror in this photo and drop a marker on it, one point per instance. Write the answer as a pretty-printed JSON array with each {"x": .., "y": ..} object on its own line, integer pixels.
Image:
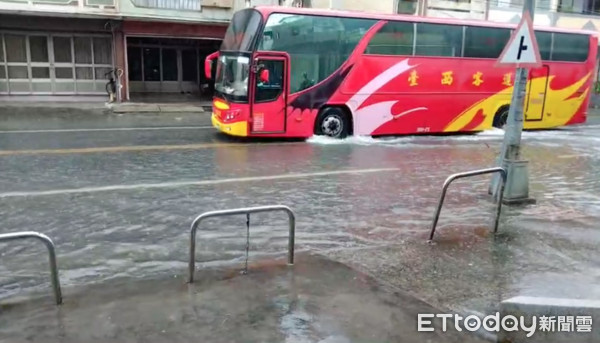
[
  {"x": 208, "y": 64},
  {"x": 264, "y": 76}
]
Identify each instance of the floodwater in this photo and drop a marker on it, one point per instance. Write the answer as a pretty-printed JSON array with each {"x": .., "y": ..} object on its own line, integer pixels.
[{"x": 365, "y": 202}]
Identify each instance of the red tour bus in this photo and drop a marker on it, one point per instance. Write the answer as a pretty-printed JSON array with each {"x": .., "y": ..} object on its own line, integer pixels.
[{"x": 293, "y": 72}]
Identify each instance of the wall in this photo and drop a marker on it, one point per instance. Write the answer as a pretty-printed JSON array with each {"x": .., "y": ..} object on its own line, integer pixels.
[
  {"x": 547, "y": 18},
  {"x": 379, "y": 6},
  {"x": 321, "y": 3},
  {"x": 513, "y": 15},
  {"x": 455, "y": 9},
  {"x": 128, "y": 9},
  {"x": 209, "y": 11},
  {"x": 19, "y": 22},
  {"x": 72, "y": 9},
  {"x": 575, "y": 21},
  {"x": 174, "y": 29}
]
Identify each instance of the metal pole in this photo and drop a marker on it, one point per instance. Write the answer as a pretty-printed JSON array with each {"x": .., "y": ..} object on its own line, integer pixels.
[
  {"x": 192, "y": 260},
  {"x": 119, "y": 85},
  {"x": 292, "y": 236},
  {"x": 51, "y": 256},
  {"x": 247, "y": 242},
  {"x": 514, "y": 127},
  {"x": 452, "y": 178},
  {"x": 247, "y": 211},
  {"x": 511, "y": 145},
  {"x": 499, "y": 208},
  {"x": 438, "y": 210}
]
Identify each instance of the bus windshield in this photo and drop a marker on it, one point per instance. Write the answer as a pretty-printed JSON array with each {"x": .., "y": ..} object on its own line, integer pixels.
[
  {"x": 242, "y": 31},
  {"x": 231, "y": 80},
  {"x": 233, "y": 66}
]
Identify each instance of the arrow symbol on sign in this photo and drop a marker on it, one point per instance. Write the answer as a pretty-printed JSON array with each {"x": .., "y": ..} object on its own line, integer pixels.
[{"x": 522, "y": 47}]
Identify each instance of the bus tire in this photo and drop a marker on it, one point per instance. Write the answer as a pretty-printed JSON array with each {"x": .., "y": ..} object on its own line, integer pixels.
[
  {"x": 333, "y": 122},
  {"x": 501, "y": 117}
]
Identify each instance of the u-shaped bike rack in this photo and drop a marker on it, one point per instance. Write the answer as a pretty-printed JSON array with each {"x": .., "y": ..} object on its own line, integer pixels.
[
  {"x": 247, "y": 211},
  {"x": 453, "y": 177},
  {"x": 51, "y": 256}
]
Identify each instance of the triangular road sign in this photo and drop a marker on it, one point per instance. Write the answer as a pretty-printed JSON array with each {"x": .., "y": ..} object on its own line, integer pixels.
[{"x": 522, "y": 49}]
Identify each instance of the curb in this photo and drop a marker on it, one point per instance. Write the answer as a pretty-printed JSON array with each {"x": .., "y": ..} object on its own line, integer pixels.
[
  {"x": 36, "y": 110},
  {"x": 157, "y": 108},
  {"x": 74, "y": 109}
]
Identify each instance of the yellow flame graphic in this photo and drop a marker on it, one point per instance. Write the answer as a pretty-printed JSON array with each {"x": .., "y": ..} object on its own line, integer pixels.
[{"x": 559, "y": 106}]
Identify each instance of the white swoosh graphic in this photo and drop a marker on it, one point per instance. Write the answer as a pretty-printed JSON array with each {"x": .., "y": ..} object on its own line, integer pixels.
[
  {"x": 369, "y": 118},
  {"x": 396, "y": 116},
  {"x": 379, "y": 81}
]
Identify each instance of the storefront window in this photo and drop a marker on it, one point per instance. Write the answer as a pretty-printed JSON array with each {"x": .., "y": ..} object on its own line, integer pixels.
[
  {"x": 62, "y": 50},
  {"x": 164, "y": 65},
  {"x": 407, "y": 7},
  {"x": 134, "y": 63},
  {"x": 169, "y": 67},
  {"x": 79, "y": 63},
  {"x": 16, "y": 48},
  {"x": 38, "y": 48},
  {"x": 151, "y": 64},
  {"x": 189, "y": 62}
]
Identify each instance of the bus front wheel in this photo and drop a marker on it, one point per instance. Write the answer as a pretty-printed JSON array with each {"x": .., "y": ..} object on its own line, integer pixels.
[{"x": 333, "y": 122}]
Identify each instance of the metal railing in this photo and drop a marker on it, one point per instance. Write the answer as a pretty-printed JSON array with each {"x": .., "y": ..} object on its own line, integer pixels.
[
  {"x": 51, "y": 256},
  {"x": 453, "y": 177},
  {"x": 247, "y": 211},
  {"x": 181, "y": 5}
]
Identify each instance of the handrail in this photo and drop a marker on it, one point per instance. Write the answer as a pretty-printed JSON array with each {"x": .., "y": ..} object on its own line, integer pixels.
[
  {"x": 453, "y": 177},
  {"x": 246, "y": 211},
  {"x": 51, "y": 256}
]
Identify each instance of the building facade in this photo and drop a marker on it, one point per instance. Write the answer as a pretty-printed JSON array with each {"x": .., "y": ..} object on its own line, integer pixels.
[
  {"x": 70, "y": 48},
  {"x": 67, "y": 48}
]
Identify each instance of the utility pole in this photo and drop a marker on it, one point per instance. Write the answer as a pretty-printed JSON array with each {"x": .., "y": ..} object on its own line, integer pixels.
[{"x": 517, "y": 184}]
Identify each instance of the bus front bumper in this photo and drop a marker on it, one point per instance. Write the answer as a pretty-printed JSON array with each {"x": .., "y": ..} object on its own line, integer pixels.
[{"x": 239, "y": 129}]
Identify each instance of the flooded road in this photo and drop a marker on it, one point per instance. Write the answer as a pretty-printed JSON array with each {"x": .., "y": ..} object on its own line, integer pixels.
[{"x": 118, "y": 205}]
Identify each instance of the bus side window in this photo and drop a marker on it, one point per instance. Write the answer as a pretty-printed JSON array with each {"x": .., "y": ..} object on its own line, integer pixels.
[
  {"x": 306, "y": 82},
  {"x": 485, "y": 42},
  {"x": 570, "y": 47},
  {"x": 271, "y": 90}
]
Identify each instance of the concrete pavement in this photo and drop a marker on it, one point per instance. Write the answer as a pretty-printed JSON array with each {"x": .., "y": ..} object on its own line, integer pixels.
[{"x": 316, "y": 300}]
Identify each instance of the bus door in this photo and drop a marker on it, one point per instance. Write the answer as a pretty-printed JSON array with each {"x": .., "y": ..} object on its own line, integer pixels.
[
  {"x": 535, "y": 100},
  {"x": 269, "y": 94}
]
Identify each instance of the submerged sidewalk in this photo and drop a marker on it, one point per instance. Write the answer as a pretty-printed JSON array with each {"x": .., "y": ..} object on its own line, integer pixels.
[{"x": 316, "y": 300}]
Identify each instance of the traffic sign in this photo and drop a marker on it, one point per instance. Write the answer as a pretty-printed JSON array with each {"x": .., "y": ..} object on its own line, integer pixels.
[{"x": 522, "y": 49}]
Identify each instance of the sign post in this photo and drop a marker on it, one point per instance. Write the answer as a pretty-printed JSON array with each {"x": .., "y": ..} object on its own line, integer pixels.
[{"x": 521, "y": 52}]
